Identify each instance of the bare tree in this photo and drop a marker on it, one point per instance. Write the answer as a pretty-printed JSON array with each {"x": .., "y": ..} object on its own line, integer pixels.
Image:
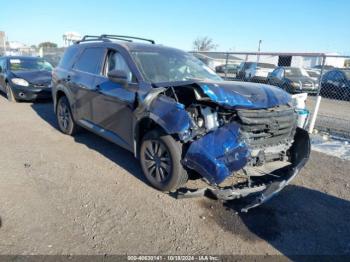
[{"x": 204, "y": 44}]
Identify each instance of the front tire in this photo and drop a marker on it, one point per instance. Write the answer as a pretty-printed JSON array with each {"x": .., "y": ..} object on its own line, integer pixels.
[
  {"x": 160, "y": 159},
  {"x": 9, "y": 93},
  {"x": 64, "y": 117}
]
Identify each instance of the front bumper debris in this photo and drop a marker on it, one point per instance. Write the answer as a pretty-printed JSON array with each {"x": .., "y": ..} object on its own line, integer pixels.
[
  {"x": 299, "y": 153},
  {"x": 30, "y": 93}
]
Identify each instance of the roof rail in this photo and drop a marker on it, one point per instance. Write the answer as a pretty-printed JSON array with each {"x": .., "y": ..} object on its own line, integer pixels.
[
  {"x": 125, "y": 37},
  {"x": 106, "y": 38},
  {"x": 88, "y": 38}
]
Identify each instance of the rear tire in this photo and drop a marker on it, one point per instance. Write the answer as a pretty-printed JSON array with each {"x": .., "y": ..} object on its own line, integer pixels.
[
  {"x": 9, "y": 93},
  {"x": 160, "y": 159},
  {"x": 64, "y": 117}
]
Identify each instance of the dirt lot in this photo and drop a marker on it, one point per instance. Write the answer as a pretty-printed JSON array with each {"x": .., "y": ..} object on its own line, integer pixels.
[{"x": 83, "y": 195}]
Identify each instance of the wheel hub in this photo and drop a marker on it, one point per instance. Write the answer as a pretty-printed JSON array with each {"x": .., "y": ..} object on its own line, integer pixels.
[
  {"x": 63, "y": 115},
  {"x": 157, "y": 160}
]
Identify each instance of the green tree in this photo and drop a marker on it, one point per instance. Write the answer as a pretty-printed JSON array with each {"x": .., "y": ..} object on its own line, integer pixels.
[{"x": 47, "y": 45}]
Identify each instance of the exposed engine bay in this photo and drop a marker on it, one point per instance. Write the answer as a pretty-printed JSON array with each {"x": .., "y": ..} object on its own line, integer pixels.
[{"x": 238, "y": 147}]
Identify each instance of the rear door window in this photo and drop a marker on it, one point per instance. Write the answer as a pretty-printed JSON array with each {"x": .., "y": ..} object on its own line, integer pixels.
[{"x": 90, "y": 60}]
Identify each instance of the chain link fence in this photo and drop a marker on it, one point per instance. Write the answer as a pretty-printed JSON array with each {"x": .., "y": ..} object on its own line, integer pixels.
[
  {"x": 52, "y": 55},
  {"x": 325, "y": 78}
]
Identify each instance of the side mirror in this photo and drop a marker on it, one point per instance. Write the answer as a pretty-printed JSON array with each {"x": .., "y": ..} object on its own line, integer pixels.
[{"x": 118, "y": 76}]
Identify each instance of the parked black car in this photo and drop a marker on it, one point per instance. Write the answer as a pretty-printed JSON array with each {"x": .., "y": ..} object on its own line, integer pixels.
[
  {"x": 25, "y": 78},
  {"x": 336, "y": 84},
  {"x": 229, "y": 69},
  {"x": 293, "y": 80},
  {"x": 178, "y": 117},
  {"x": 228, "y": 72}
]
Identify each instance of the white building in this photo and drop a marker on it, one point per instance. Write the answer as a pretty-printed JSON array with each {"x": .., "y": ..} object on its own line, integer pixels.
[
  {"x": 18, "y": 48},
  {"x": 70, "y": 37},
  {"x": 299, "y": 61}
]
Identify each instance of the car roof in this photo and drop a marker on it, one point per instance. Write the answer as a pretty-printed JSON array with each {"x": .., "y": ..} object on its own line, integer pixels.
[
  {"x": 20, "y": 57},
  {"x": 339, "y": 69}
]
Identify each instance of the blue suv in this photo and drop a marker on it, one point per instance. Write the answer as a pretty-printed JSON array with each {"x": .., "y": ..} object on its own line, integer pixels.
[{"x": 179, "y": 118}]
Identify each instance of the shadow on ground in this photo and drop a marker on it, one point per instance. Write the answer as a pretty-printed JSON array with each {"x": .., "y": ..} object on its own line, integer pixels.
[
  {"x": 116, "y": 154},
  {"x": 298, "y": 221}
]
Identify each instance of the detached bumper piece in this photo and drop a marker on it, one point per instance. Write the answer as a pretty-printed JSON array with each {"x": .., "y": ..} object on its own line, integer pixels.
[{"x": 267, "y": 186}]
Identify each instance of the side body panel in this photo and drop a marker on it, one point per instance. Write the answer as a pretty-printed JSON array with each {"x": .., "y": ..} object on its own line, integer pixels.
[{"x": 113, "y": 107}]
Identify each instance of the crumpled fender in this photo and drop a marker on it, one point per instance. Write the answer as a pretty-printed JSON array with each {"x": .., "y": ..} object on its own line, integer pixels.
[
  {"x": 170, "y": 115},
  {"x": 216, "y": 155}
]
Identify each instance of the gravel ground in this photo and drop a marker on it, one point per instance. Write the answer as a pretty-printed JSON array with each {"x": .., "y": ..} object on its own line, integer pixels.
[{"x": 83, "y": 195}]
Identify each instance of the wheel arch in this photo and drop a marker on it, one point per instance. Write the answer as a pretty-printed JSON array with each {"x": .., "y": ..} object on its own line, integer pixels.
[
  {"x": 58, "y": 92},
  {"x": 143, "y": 126}
]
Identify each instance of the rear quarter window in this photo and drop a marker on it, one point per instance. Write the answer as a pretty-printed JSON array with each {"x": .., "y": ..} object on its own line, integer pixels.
[{"x": 68, "y": 58}]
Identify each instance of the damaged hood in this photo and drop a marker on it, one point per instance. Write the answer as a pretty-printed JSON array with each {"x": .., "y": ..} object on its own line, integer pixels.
[
  {"x": 235, "y": 94},
  {"x": 244, "y": 94}
]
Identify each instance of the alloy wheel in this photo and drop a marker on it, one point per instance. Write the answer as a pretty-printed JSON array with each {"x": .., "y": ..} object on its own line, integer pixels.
[
  {"x": 63, "y": 116},
  {"x": 157, "y": 160}
]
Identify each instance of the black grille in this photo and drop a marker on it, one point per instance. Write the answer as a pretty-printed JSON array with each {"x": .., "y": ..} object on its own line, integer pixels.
[{"x": 267, "y": 126}]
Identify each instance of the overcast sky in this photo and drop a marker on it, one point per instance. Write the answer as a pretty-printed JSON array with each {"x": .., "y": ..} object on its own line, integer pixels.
[{"x": 282, "y": 25}]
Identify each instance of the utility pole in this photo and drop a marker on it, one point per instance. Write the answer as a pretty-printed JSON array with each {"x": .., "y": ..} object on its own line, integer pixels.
[{"x": 259, "y": 49}]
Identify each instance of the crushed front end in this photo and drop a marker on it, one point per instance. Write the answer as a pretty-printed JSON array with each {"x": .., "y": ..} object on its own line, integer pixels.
[
  {"x": 243, "y": 140},
  {"x": 258, "y": 153}
]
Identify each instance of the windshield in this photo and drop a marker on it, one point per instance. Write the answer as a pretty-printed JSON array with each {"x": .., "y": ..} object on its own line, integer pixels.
[
  {"x": 29, "y": 64},
  {"x": 295, "y": 72},
  {"x": 171, "y": 66}
]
